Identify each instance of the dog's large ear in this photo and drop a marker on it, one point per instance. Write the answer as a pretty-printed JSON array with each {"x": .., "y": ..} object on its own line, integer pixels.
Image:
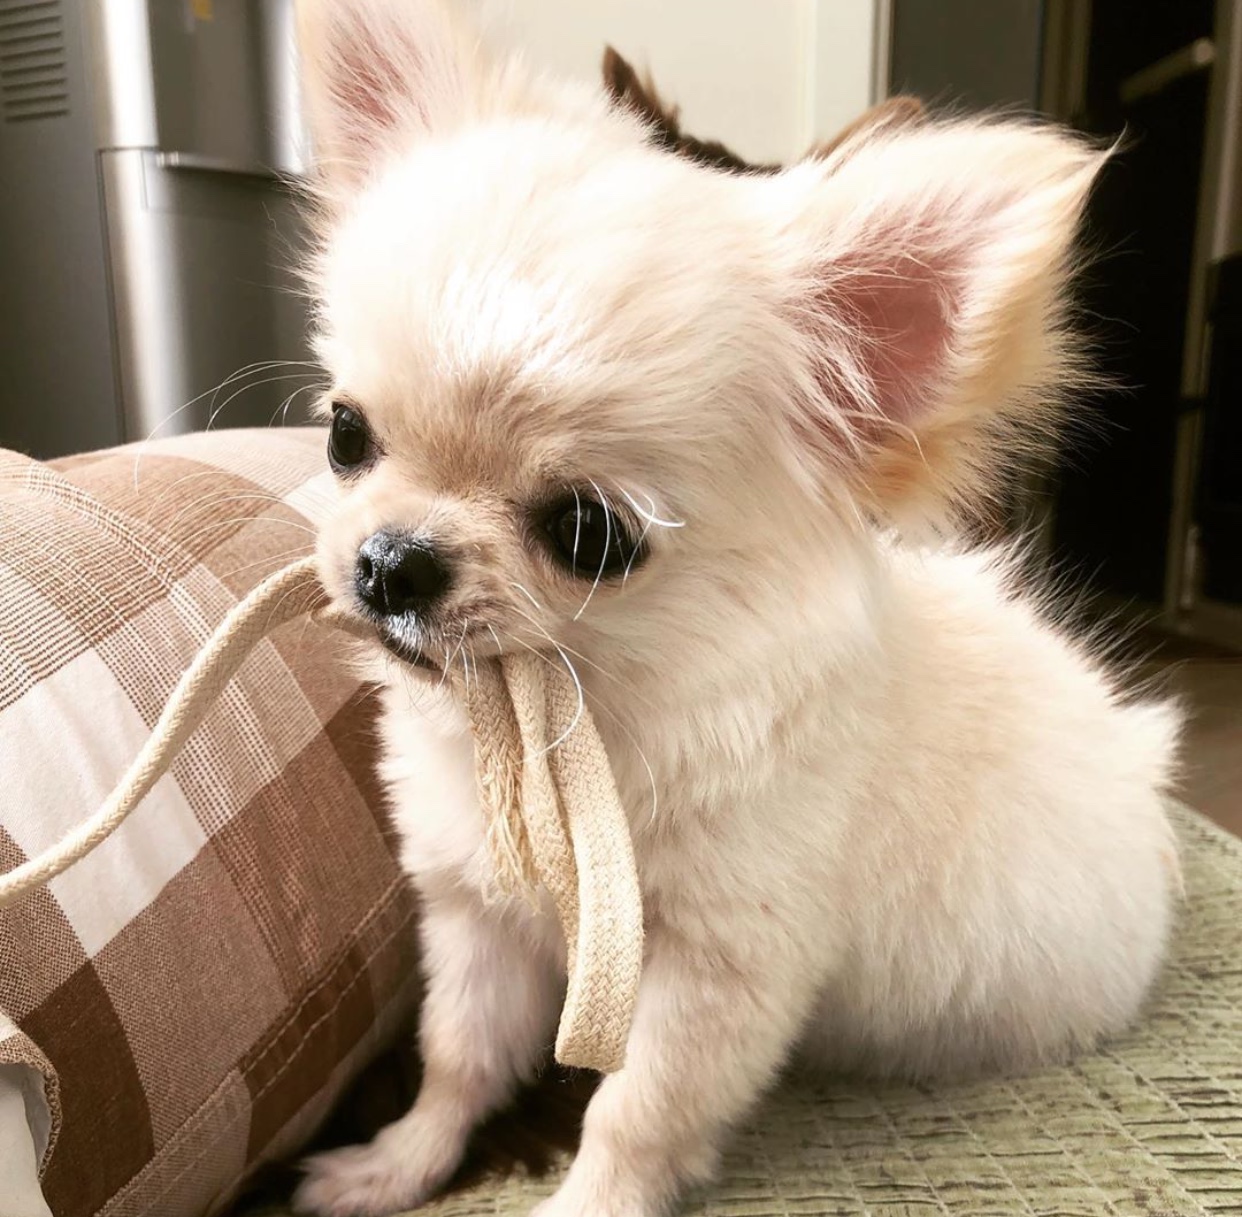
[
  {"x": 626, "y": 90},
  {"x": 927, "y": 272},
  {"x": 376, "y": 74},
  {"x": 888, "y": 115}
]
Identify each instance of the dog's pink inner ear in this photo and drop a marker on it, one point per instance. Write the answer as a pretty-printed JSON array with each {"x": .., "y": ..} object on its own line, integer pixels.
[
  {"x": 888, "y": 320},
  {"x": 902, "y": 314},
  {"x": 375, "y": 75},
  {"x": 930, "y": 299},
  {"x": 365, "y": 86},
  {"x": 375, "y": 84}
]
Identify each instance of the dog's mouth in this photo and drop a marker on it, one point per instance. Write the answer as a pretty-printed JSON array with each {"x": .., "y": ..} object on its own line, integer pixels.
[
  {"x": 370, "y": 628},
  {"x": 410, "y": 655},
  {"x": 434, "y": 661}
]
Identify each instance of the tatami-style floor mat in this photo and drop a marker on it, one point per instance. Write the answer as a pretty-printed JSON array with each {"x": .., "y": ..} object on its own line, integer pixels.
[{"x": 1149, "y": 1127}]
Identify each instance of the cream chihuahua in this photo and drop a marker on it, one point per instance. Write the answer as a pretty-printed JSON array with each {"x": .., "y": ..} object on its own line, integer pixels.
[{"x": 681, "y": 431}]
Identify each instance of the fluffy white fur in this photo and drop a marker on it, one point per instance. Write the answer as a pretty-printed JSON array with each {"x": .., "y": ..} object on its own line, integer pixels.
[{"x": 884, "y": 813}]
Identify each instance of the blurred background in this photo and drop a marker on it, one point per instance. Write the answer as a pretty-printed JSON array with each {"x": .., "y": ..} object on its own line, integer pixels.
[{"x": 150, "y": 152}]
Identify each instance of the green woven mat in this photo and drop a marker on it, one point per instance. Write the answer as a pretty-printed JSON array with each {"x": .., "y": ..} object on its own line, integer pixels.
[{"x": 1151, "y": 1126}]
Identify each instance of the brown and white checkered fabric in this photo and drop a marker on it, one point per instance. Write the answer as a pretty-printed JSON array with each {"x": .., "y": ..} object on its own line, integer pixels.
[{"x": 197, "y": 991}]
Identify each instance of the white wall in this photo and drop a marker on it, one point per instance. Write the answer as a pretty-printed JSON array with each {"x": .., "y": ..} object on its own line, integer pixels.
[{"x": 767, "y": 77}]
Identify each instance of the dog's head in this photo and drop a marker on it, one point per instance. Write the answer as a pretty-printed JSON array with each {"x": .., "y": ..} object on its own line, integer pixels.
[{"x": 588, "y": 390}]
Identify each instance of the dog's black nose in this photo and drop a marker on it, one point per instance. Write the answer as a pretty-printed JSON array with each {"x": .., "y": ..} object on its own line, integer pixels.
[{"x": 396, "y": 573}]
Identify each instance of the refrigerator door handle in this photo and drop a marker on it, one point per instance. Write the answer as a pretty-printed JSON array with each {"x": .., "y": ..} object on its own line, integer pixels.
[
  {"x": 1195, "y": 57},
  {"x": 194, "y": 162}
]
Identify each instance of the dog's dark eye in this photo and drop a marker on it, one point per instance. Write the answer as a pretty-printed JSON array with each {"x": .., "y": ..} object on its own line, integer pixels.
[
  {"x": 590, "y": 539},
  {"x": 349, "y": 440}
]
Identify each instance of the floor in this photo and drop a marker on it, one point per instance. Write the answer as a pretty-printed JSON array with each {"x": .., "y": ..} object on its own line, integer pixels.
[{"x": 1212, "y": 688}]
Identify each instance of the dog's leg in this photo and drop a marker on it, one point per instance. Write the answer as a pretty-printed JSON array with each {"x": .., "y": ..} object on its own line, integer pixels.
[
  {"x": 490, "y": 1005},
  {"x": 708, "y": 1036}
]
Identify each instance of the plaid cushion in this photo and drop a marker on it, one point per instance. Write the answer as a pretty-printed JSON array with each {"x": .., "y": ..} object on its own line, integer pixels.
[{"x": 196, "y": 992}]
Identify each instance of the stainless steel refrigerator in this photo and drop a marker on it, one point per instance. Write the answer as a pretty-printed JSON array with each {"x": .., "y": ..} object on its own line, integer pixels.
[{"x": 149, "y": 232}]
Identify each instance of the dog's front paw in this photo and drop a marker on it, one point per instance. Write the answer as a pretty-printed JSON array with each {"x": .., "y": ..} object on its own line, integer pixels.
[{"x": 393, "y": 1173}]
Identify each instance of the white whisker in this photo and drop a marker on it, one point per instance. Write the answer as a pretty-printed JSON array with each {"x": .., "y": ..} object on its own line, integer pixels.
[
  {"x": 629, "y": 735},
  {"x": 527, "y": 594},
  {"x": 254, "y": 384},
  {"x": 283, "y": 409},
  {"x": 629, "y": 565},
  {"x": 573, "y": 673},
  {"x": 288, "y": 555},
  {"x": 625, "y": 686},
  {"x": 263, "y": 365},
  {"x": 648, "y": 514},
  {"x": 577, "y": 529},
  {"x": 221, "y": 525},
  {"x": 202, "y": 507},
  {"x": 448, "y": 663},
  {"x": 642, "y": 756},
  {"x": 599, "y": 574}
]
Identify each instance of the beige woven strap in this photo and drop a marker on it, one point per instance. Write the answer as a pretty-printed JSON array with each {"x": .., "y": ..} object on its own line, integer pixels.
[
  {"x": 568, "y": 831},
  {"x": 285, "y": 595},
  {"x": 545, "y": 784},
  {"x": 604, "y": 973}
]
